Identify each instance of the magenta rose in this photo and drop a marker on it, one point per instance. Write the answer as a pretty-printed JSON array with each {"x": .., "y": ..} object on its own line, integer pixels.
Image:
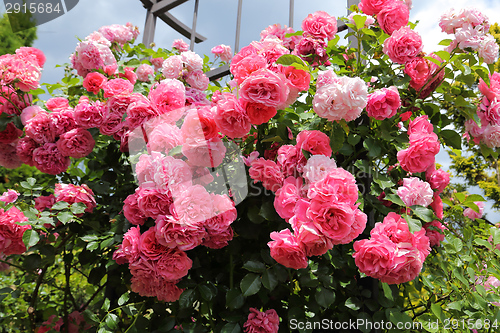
[
  {"x": 153, "y": 203},
  {"x": 128, "y": 251},
  {"x": 258, "y": 113},
  {"x": 94, "y": 82},
  {"x": 435, "y": 232},
  {"x": 131, "y": 210},
  {"x": 262, "y": 322},
  {"x": 47, "y": 158},
  {"x": 76, "y": 193},
  {"x": 41, "y": 128},
  {"x": 286, "y": 250},
  {"x": 173, "y": 264},
  {"x": 76, "y": 143},
  {"x": 419, "y": 71},
  {"x": 90, "y": 115},
  {"x": 383, "y": 103},
  {"x": 403, "y": 45},
  {"x": 320, "y": 25},
  {"x": 173, "y": 234}
]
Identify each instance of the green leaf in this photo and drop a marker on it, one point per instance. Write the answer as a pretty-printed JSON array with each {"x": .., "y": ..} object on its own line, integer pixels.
[
  {"x": 234, "y": 299},
  {"x": 60, "y": 205},
  {"x": 231, "y": 328},
  {"x": 452, "y": 138},
  {"x": 78, "y": 208},
  {"x": 65, "y": 217},
  {"x": 396, "y": 316},
  {"x": 383, "y": 181},
  {"x": 175, "y": 151},
  {"x": 353, "y": 303},
  {"x": 111, "y": 321},
  {"x": 425, "y": 214},
  {"x": 123, "y": 298},
  {"x": 254, "y": 266},
  {"x": 30, "y": 238},
  {"x": 31, "y": 181},
  {"x": 413, "y": 224},
  {"x": 206, "y": 292},
  {"x": 324, "y": 297},
  {"x": 445, "y": 42},
  {"x": 187, "y": 298},
  {"x": 444, "y": 55},
  {"x": 337, "y": 137},
  {"x": 253, "y": 215},
  {"x": 292, "y": 60},
  {"x": 483, "y": 242},
  {"x": 269, "y": 280},
  {"x": 474, "y": 197},
  {"x": 360, "y": 21},
  {"x": 250, "y": 284},
  {"x": 395, "y": 199},
  {"x": 90, "y": 316}
]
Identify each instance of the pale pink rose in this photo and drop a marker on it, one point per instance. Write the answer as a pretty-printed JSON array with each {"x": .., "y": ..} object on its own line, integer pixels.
[
  {"x": 204, "y": 153},
  {"x": 438, "y": 179},
  {"x": 48, "y": 159},
  {"x": 30, "y": 112},
  {"x": 180, "y": 45},
  {"x": 267, "y": 172},
  {"x": 491, "y": 136},
  {"x": 90, "y": 115},
  {"x": 9, "y": 197},
  {"x": 97, "y": 37},
  {"x": 286, "y": 250},
  {"x": 41, "y": 128},
  {"x": 317, "y": 167},
  {"x": 488, "y": 49},
  {"x": 320, "y": 25},
  {"x": 172, "y": 67},
  {"x": 153, "y": 203},
  {"x": 491, "y": 114},
  {"x": 169, "y": 98},
  {"x": 197, "y": 79},
  {"x": 472, "y": 214},
  {"x": 383, "y": 103},
  {"x": 275, "y": 30},
  {"x": 491, "y": 286},
  {"x": 337, "y": 186},
  {"x": 76, "y": 143},
  {"x": 265, "y": 87},
  {"x": 262, "y": 322},
  {"x": 451, "y": 20},
  {"x": 192, "y": 61},
  {"x": 468, "y": 37},
  {"x": 31, "y": 54},
  {"x": 131, "y": 210},
  {"x": 473, "y": 128},
  {"x": 403, "y": 45},
  {"x": 75, "y": 193},
  {"x": 345, "y": 98},
  {"x": 246, "y": 66},
  {"x": 419, "y": 71},
  {"x": 144, "y": 71},
  {"x": 117, "y": 33},
  {"x": 223, "y": 51},
  {"x": 90, "y": 55},
  {"x": 164, "y": 138},
  {"x": 415, "y": 192},
  {"x": 193, "y": 206},
  {"x": 393, "y": 16},
  {"x": 272, "y": 49},
  {"x": 173, "y": 234},
  {"x": 369, "y": 20},
  {"x": 287, "y": 196},
  {"x": 315, "y": 142},
  {"x": 372, "y": 7},
  {"x": 231, "y": 118},
  {"x": 492, "y": 90},
  {"x": 94, "y": 82},
  {"x": 435, "y": 232}
]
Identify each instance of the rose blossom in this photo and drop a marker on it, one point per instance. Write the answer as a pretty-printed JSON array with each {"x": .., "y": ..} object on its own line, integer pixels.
[
  {"x": 262, "y": 322},
  {"x": 169, "y": 97},
  {"x": 393, "y": 16},
  {"x": 375, "y": 256},
  {"x": 315, "y": 142},
  {"x": 419, "y": 71},
  {"x": 338, "y": 185},
  {"x": 94, "y": 82},
  {"x": 10, "y": 134},
  {"x": 172, "y": 67},
  {"x": 192, "y": 61},
  {"x": 317, "y": 167},
  {"x": 420, "y": 155},
  {"x": 287, "y": 196},
  {"x": 246, "y": 66},
  {"x": 11, "y": 233},
  {"x": 197, "y": 79},
  {"x": 41, "y": 128},
  {"x": 267, "y": 172},
  {"x": 320, "y": 25},
  {"x": 9, "y": 196},
  {"x": 472, "y": 214},
  {"x": 76, "y": 193},
  {"x": 152, "y": 203},
  {"x": 493, "y": 89},
  {"x": 438, "y": 179},
  {"x": 231, "y": 117},
  {"x": 434, "y": 231},
  {"x": 180, "y": 45},
  {"x": 415, "y": 192},
  {"x": 89, "y": 115},
  {"x": 258, "y": 113},
  {"x": 265, "y": 87},
  {"x": 76, "y": 143},
  {"x": 383, "y": 103},
  {"x": 491, "y": 136},
  {"x": 223, "y": 51},
  {"x": 488, "y": 49},
  {"x": 344, "y": 98},
  {"x": 204, "y": 153},
  {"x": 48, "y": 159},
  {"x": 286, "y": 250},
  {"x": 369, "y": 20},
  {"x": 144, "y": 71},
  {"x": 403, "y": 45},
  {"x": 174, "y": 264},
  {"x": 164, "y": 137},
  {"x": 131, "y": 210},
  {"x": 8, "y": 156},
  {"x": 173, "y": 234},
  {"x": 193, "y": 206},
  {"x": 373, "y": 7},
  {"x": 29, "y": 113}
]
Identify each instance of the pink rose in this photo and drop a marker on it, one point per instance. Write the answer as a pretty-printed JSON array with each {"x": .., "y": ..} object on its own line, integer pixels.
[
  {"x": 24, "y": 150},
  {"x": 10, "y": 134},
  {"x": 8, "y": 156},
  {"x": 435, "y": 232},
  {"x": 140, "y": 110},
  {"x": 403, "y": 45},
  {"x": 173, "y": 234},
  {"x": 94, "y": 82},
  {"x": 200, "y": 123},
  {"x": 420, "y": 155},
  {"x": 180, "y": 45},
  {"x": 332, "y": 219},
  {"x": 31, "y": 54},
  {"x": 320, "y": 25},
  {"x": 375, "y": 257},
  {"x": 75, "y": 193},
  {"x": 197, "y": 79},
  {"x": 438, "y": 179},
  {"x": 76, "y": 143},
  {"x": 291, "y": 160},
  {"x": 317, "y": 167},
  {"x": 144, "y": 71},
  {"x": 131, "y": 210},
  {"x": 488, "y": 49},
  {"x": 265, "y": 87},
  {"x": 243, "y": 68},
  {"x": 337, "y": 186},
  {"x": 437, "y": 206},
  {"x": 383, "y": 103},
  {"x": 262, "y": 322},
  {"x": 116, "y": 87},
  {"x": 419, "y": 71},
  {"x": 258, "y": 113},
  {"x": 493, "y": 89},
  {"x": 149, "y": 247},
  {"x": 287, "y": 196},
  {"x": 174, "y": 264},
  {"x": 64, "y": 121},
  {"x": 9, "y": 196},
  {"x": 223, "y": 51},
  {"x": 308, "y": 235},
  {"x": 231, "y": 117},
  {"x": 164, "y": 138},
  {"x": 415, "y": 192},
  {"x": 267, "y": 172},
  {"x": 193, "y": 206},
  {"x": 169, "y": 97},
  {"x": 172, "y": 67},
  {"x": 191, "y": 61},
  {"x": 472, "y": 214},
  {"x": 315, "y": 142},
  {"x": 44, "y": 202},
  {"x": 11, "y": 233},
  {"x": 48, "y": 159},
  {"x": 491, "y": 136},
  {"x": 420, "y": 124},
  {"x": 395, "y": 228},
  {"x": 30, "y": 112},
  {"x": 204, "y": 153},
  {"x": 41, "y": 128},
  {"x": 56, "y": 104},
  {"x": 152, "y": 203},
  {"x": 393, "y": 16},
  {"x": 286, "y": 250},
  {"x": 373, "y": 7},
  {"x": 90, "y": 115}
]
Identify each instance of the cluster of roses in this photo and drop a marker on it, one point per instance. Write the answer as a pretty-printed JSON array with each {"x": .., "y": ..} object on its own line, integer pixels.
[
  {"x": 262, "y": 321},
  {"x": 391, "y": 14},
  {"x": 76, "y": 323},
  {"x": 313, "y": 195},
  {"x": 19, "y": 73},
  {"x": 393, "y": 254},
  {"x": 488, "y": 113},
  {"x": 11, "y": 233},
  {"x": 470, "y": 28},
  {"x": 70, "y": 194}
]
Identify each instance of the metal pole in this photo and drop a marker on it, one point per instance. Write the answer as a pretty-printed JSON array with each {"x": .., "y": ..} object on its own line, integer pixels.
[
  {"x": 149, "y": 29},
  {"x": 353, "y": 42},
  {"x": 238, "y": 26},
  {"x": 290, "y": 17},
  {"x": 195, "y": 19}
]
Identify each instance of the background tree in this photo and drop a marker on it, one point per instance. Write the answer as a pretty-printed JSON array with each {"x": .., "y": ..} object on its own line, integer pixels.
[{"x": 10, "y": 41}]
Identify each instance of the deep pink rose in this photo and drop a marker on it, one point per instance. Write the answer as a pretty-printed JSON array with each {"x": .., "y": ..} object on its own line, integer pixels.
[
  {"x": 262, "y": 322},
  {"x": 291, "y": 160},
  {"x": 94, "y": 82},
  {"x": 375, "y": 257},
  {"x": 173, "y": 234},
  {"x": 265, "y": 87},
  {"x": 420, "y": 124},
  {"x": 337, "y": 186},
  {"x": 493, "y": 89},
  {"x": 10, "y": 134},
  {"x": 47, "y": 158},
  {"x": 56, "y": 104},
  {"x": 11, "y": 233},
  {"x": 437, "y": 206},
  {"x": 332, "y": 219},
  {"x": 438, "y": 179},
  {"x": 393, "y": 16},
  {"x": 373, "y": 7},
  {"x": 200, "y": 123},
  {"x": 435, "y": 232},
  {"x": 152, "y": 203},
  {"x": 41, "y": 128},
  {"x": 286, "y": 250},
  {"x": 315, "y": 142},
  {"x": 258, "y": 113},
  {"x": 246, "y": 66},
  {"x": 383, "y": 103},
  {"x": 403, "y": 46},
  {"x": 131, "y": 210},
  {"x": 76, "y": 143},
  {"x": 116, "y": 87},
  {"x": 420, "y": 155},
  {"x": 419, "y": 71},
  {"x": 231, "y": 117},
  {"x": 64, "y": 121},
  {"x": 169, "y": 97},
  {"x": 320, "y": 25},
  {"x": 308, "y": 235},
  {"x": 287, "y": 196},
  {"x": 149, "y": 246},
  {"x": 267, "y": 172},
  {"x": 174, "y": 264},
  {"x": 219, "y": 238},
  {"x": 76, "y": 193},
  {"x": 128, "y": 251}
]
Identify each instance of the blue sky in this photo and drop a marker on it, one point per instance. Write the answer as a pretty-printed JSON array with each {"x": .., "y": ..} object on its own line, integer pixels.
[{"x": 217, "y": 21}]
